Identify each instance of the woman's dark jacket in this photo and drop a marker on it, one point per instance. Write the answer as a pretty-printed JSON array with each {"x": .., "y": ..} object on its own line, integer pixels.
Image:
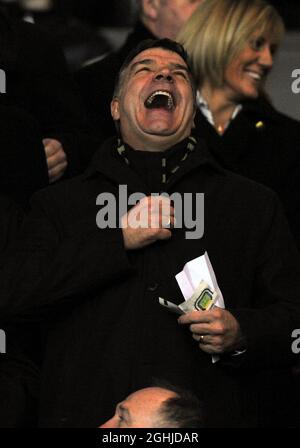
[{"x": 264, "y": 145}]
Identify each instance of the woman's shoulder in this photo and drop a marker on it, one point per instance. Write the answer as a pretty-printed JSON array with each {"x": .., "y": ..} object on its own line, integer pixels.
[{"x": 263, "y": 107}]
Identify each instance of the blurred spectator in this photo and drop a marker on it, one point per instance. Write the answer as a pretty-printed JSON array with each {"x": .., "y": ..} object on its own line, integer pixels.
[
  {"x": 79, "y": 41},
  {"x": 38, "y": 83},
  {"x": 11, "y": 7},
  {"x": 163, "y": 18},
  {"x": 112, "y": 13}
]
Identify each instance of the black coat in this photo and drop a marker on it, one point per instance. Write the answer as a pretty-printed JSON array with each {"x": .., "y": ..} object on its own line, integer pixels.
[
  {"x": 107, "y": 335},
  {"x": 262, "y": 144},
  {"x": 19, "y": 375},
  {"x": 97, "y": 81},
  {"x": 23, "y": 167}
]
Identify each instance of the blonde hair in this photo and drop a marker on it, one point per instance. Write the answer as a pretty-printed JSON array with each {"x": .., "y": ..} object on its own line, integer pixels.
[{"x": 218, "y": 31}]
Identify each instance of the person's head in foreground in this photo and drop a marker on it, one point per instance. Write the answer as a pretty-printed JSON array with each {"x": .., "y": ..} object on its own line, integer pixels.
[
  {"x": 231, "y": 44},
  {"x": 154, "y": 98},
  {"x": 157, "y": 407}
]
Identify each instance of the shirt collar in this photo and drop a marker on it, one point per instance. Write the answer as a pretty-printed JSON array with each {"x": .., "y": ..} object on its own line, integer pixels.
[{"x": 204, "y": 108}]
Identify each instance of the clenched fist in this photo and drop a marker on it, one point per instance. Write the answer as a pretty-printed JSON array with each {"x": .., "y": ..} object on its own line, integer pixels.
[{"x": 148, "y": 221}]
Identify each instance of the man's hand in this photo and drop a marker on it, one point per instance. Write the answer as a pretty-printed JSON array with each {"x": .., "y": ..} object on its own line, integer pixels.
[
  {"x": 56, "y": 159},
  {"x": 216, "y": 330},
  {"x": 146, "y": 222}
]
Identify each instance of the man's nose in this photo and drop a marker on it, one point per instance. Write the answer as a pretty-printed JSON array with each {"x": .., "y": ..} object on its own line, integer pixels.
[
  {"x": 111, "y": 423},
  {"x": 164, "y": 75}
]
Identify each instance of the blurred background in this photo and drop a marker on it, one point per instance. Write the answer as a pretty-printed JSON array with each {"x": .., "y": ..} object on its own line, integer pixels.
[{"x": 89, "y": 29}]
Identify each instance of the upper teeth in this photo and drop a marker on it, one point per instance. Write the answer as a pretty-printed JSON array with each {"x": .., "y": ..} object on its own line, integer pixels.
[
  {"x": 254, "y": 75},
  {"x": 162, "y": 92}
]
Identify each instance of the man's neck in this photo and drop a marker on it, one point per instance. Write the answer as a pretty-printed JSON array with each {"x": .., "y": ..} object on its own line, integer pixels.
[
  {"x": 155, "y": 144},
  {"x": 149, "y": 147}
]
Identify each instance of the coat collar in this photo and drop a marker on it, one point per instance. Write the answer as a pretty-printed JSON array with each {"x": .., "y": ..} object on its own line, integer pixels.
[{"x": 111, "y": 165}]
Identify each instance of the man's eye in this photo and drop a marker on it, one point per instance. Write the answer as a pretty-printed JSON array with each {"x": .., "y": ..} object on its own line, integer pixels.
[
  {"x": 142, "y": 69},
  {"x": 180, "y": 73},
  {"x": 122, "y": 421}
]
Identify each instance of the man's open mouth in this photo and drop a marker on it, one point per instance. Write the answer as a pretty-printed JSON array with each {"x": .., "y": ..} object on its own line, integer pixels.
[{"x": 160, "y": 99}]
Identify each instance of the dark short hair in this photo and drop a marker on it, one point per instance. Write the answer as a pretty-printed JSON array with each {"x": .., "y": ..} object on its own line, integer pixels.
[
  {"x": 166, "y": 44},
  {"x": 184, "y": 410}
]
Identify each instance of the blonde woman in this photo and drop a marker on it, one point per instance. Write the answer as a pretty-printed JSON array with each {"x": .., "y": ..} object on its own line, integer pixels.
[{"x": 231, "y": 44}]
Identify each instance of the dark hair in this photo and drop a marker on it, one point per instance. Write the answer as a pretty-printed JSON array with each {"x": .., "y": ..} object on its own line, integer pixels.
[
  {"x": 166, "y": 44},
  {"x": 182, "y": 411}
]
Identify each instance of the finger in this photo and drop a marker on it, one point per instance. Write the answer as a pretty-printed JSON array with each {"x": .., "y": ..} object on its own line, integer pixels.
[
  {"x": 154, "y": 201},
  {"x": 163, "y": 234},
  {"x": 56, "y": 159},
  {"x": 209, "y": 339},
  {"x": 152, "y": 237},
  {"x": 202, "y": 338},
  {"x": 158, "y": 220},
  {"x": 209, "y": 344},
  {"x": 167, "y": 222},
  {"x": 153, "y": 220},
  {"x": 57, "y": 171},
  {"x": 52, "y": 147},
  {"x": 215, "y": 327},
  {"x": 195, "y": 317},
  {"x": 59, "y": 157},
  {"x": 46, "y": 141},
  {"x": 167, "y": 212},
  {"x": 201, "y": 329},
  {"x": 161, "y": 205},
  {"x": 52, "y": 180},
  {"x": 50, "y": 150},
  {"x": 161, "y": 199}
]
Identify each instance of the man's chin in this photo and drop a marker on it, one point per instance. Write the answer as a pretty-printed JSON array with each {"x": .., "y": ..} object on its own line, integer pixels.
[
  {"x": 164, "y": 139},
  {"x": 160, "y": 130}
]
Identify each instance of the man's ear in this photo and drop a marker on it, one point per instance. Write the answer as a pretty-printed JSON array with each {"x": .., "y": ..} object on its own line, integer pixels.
[
  {"x": 151, "y": 9},
  {"x": 114, "y": 109}
]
